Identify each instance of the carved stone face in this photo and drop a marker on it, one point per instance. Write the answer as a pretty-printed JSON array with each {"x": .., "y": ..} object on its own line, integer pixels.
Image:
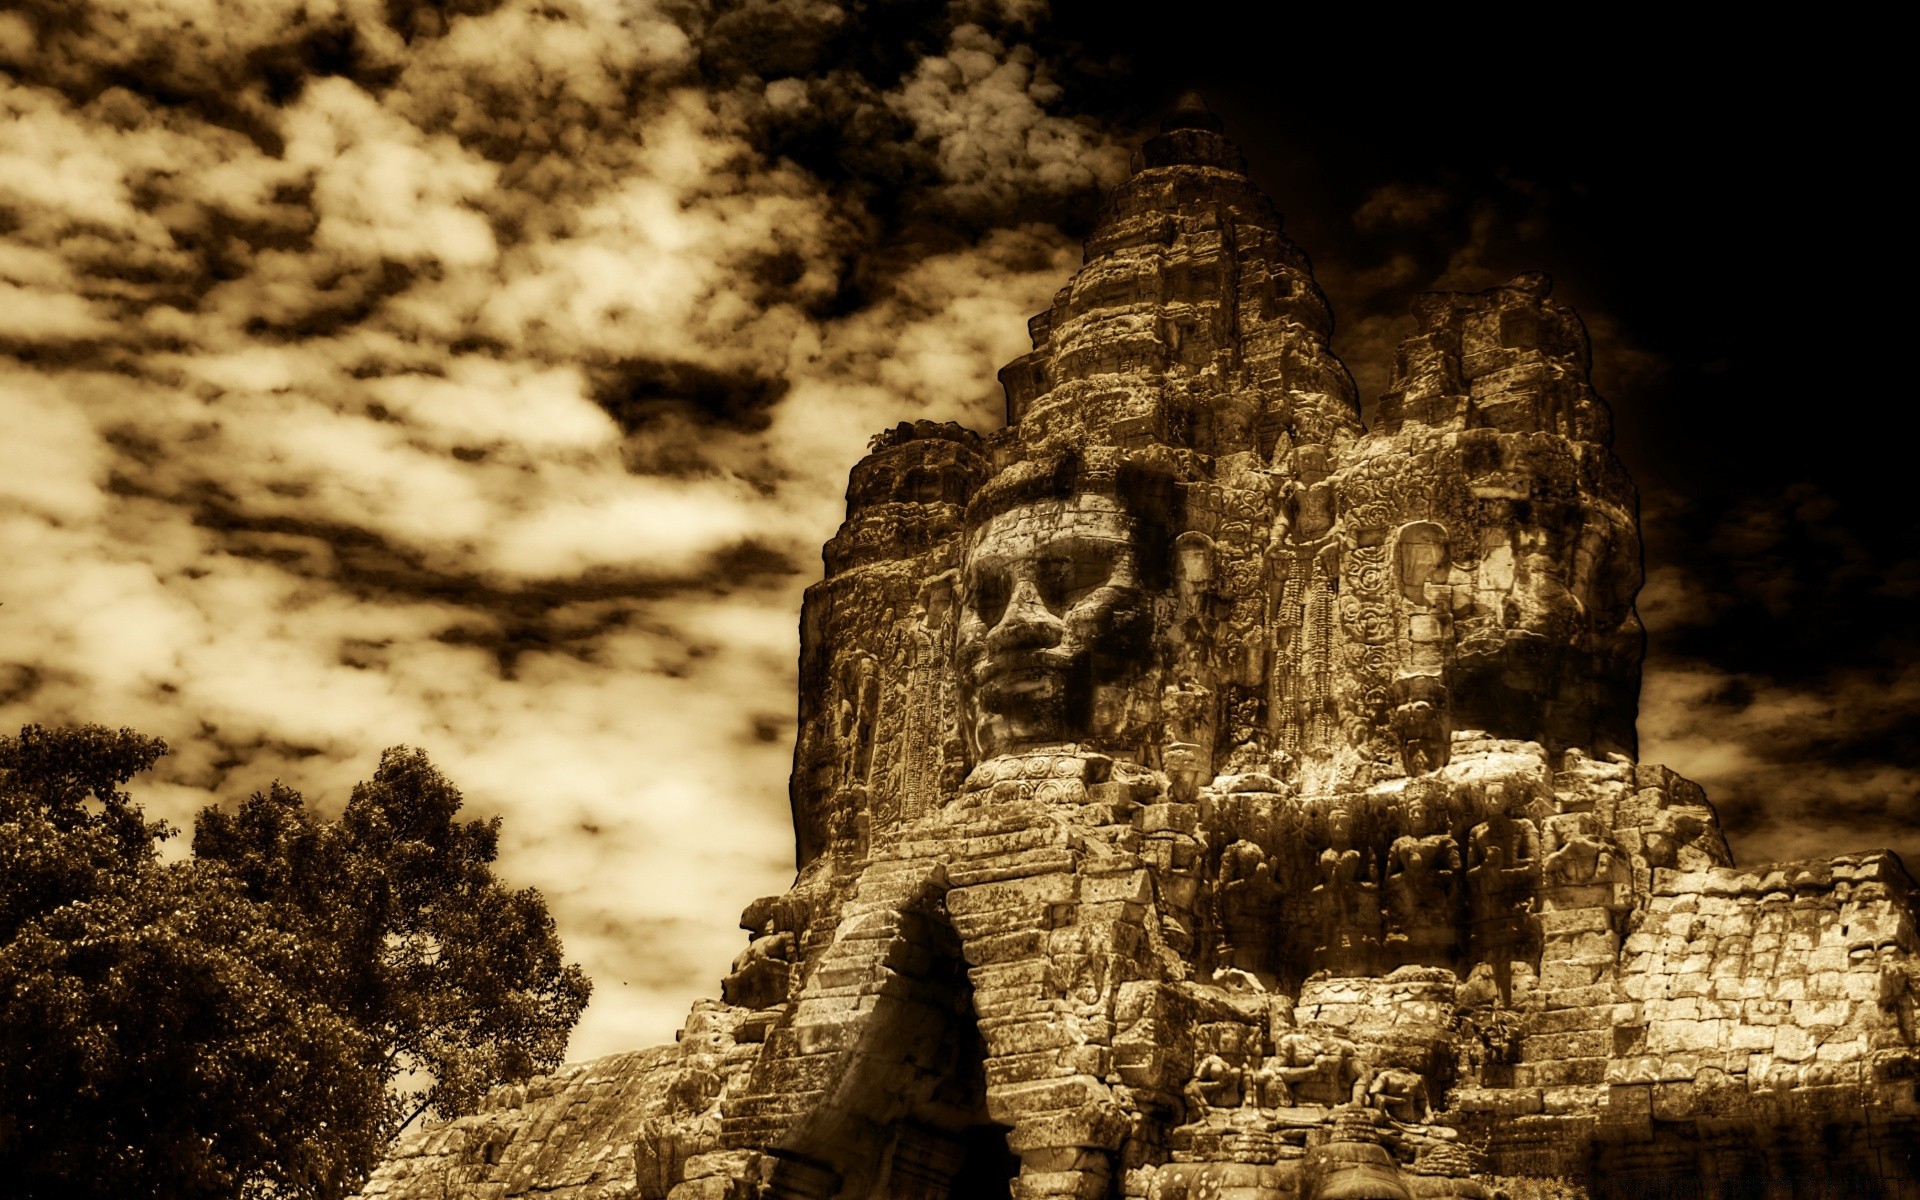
[
  {"x": 1340, "y": 828},
  {"x": 1052, "y": 625},
  {"x": 1416, "y": 815}
]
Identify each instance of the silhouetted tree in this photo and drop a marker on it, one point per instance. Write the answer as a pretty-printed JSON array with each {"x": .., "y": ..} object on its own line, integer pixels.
[
  {"x": 260, "y": 1019},
  {"x": 461, "y": 978}
]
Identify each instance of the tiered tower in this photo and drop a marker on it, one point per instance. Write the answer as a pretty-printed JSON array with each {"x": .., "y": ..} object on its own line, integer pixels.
[{"x": 1198, "y": 794}]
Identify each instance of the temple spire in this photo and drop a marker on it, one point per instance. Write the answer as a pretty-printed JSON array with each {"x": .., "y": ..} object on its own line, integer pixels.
[
  {"x": 1194, "y": 322},
  {"x": 1190, "y": 111}
]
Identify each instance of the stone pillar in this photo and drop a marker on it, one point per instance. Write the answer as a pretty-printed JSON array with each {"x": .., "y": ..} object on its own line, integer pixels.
[{"x": 1050, "y": 933}]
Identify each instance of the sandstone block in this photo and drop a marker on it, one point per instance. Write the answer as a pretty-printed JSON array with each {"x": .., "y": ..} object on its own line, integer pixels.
[
  {"x": 1585, "y": 1099},
  {"x": 1166, "y": 818},
  {"x": 996, "y": 948},
  {"x": 1595, "y": 1043},
  {"x": 1578, "y": 997},
  {"x": 1635, "y": 1070},
  {"x": 1012, "y": 1101},
  {"x": 1818, "y": 1014},
  {"x": 1562, "y": 1073},
  {"x": 1828, "y": 958},
  {"x": 1026, "y": 893},
  {"x": 1792, "y": 1043}
]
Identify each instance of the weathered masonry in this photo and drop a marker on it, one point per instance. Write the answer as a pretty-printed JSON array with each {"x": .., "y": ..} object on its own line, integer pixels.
[{"x": 1201, "y": 796}]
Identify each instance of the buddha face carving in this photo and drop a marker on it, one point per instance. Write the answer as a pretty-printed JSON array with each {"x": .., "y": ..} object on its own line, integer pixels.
[
  {"x": 1416, "y": 810},
  {"x": 1340, "y": 829},
  {"x": 1053, "y": 623}
]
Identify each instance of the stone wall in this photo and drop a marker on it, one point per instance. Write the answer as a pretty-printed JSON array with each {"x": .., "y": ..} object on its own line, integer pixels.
[{"x": 607, "y": 1129}]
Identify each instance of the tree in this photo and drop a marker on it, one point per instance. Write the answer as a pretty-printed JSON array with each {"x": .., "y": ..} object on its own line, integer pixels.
[
  {"x": 461, "y": 977},
  {"x": 261, "y": 1019},
  {"x": 67, "y": 830},
  {"x": 163, "y": 1039}
]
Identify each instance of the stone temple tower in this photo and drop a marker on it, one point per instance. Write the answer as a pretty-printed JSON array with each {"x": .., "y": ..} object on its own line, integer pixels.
[{"x": 1201, "y": 795}]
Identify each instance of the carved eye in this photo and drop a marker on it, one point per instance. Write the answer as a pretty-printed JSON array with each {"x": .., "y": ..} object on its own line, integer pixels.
[
  {"x": 990, "y": 594},
  {"x": 1063, "y": 580}
]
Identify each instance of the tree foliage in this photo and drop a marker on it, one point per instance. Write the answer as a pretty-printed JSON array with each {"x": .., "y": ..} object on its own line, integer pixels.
[
  {"x": 261, "y": 1019},
  {"x": 67, "y": 829},
  {"x": 461, "y": 978}
]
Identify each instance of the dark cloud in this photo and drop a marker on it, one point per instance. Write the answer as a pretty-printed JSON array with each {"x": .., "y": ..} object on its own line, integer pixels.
[
  {"x": 772, "y": 727},
  {"x": 779, "y": 39},
  {"x": 1782, "y": 573},
  {"x": 1402, "y": 206},
  {"x": 638, "y": 392}
]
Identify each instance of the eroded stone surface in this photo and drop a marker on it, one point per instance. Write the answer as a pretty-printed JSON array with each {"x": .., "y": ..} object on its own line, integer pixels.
[{"x": 1199, "y": 795}]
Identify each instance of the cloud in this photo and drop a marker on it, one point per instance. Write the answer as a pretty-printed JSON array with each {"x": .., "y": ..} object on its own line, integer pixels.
[
  {"x": 1795, "y": 770},
  {"x": 1402, "y": 206},
  {"x": 979, "y": 106},
  {"x": 1673, "y": 598},
  {"x": 397, "y": 373},
  {"x": 1622, "y": 366}
]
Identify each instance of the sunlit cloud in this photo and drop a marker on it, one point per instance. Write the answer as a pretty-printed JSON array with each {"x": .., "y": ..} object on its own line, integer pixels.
[{"x": 478, "y": 381}]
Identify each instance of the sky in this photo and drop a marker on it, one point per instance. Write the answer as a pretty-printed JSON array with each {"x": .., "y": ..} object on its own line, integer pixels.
[{"x": 483, "y": 376}]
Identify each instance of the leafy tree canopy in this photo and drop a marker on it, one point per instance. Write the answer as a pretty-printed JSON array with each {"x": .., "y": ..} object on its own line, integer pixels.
[
  {"x": 261, "y": 1019},
  {"x": 67, "y": 827},
  {"x": 461, "y": 977}
]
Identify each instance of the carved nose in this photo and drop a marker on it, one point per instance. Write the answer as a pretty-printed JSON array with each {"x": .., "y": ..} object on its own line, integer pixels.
[{"x": 1026, "y": 624}]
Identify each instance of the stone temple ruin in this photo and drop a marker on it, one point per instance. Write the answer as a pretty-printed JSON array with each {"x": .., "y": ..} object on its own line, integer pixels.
[{"x": 1202, "y": 796}]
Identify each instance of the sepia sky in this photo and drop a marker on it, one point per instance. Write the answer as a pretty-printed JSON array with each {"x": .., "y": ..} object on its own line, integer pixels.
[{"x": 483, "y": 376}]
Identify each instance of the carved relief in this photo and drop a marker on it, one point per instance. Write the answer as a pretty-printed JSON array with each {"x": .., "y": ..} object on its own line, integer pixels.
[
  {"x": 1247, "y": 901},
  {"x": 1348, "y": 901},
  {"x": 1053, "y": 619},
  {"x": 1423, "y": 891},
  {"x": 1503, "y": 872}
]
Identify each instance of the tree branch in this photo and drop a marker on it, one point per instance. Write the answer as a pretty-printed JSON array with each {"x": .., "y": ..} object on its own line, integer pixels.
[{"x": 412, "y": 1117}]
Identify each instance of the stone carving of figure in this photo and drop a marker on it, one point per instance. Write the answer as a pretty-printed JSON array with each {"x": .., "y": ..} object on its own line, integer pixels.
[
  {"x": 1216, "y": 1084},
  {"x": 846, "y": 834},
  {"x": 1247, "y": 897},
  {"x": 1577, "y": 851},
  {"x": 856, "y": 717},
  {"x": 1420, "y": 726},
  {"x": 1186, "y": 767},
  {"x": 1307, "y": 1066},
  {"x": 1400, "y": 1093},
  {"x": 1478, "y": 990},
  {"x": 761, "y": 973},
  {"x": 1262, "y": 1087},
  {"x": 1422, "y": 891},
  {"x": 1295, "y": 1063},
  {"x": 1056, "y": 623},
  {"x": 1186, "y": 717},
  {"x": 1503, "y": 871},
  {"x": 1347, "y": 899},
  {"x": 1313, "y": 1068},
  {"x": 1506, "y": 852},
  {"x": 1420, "y": 723}
]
